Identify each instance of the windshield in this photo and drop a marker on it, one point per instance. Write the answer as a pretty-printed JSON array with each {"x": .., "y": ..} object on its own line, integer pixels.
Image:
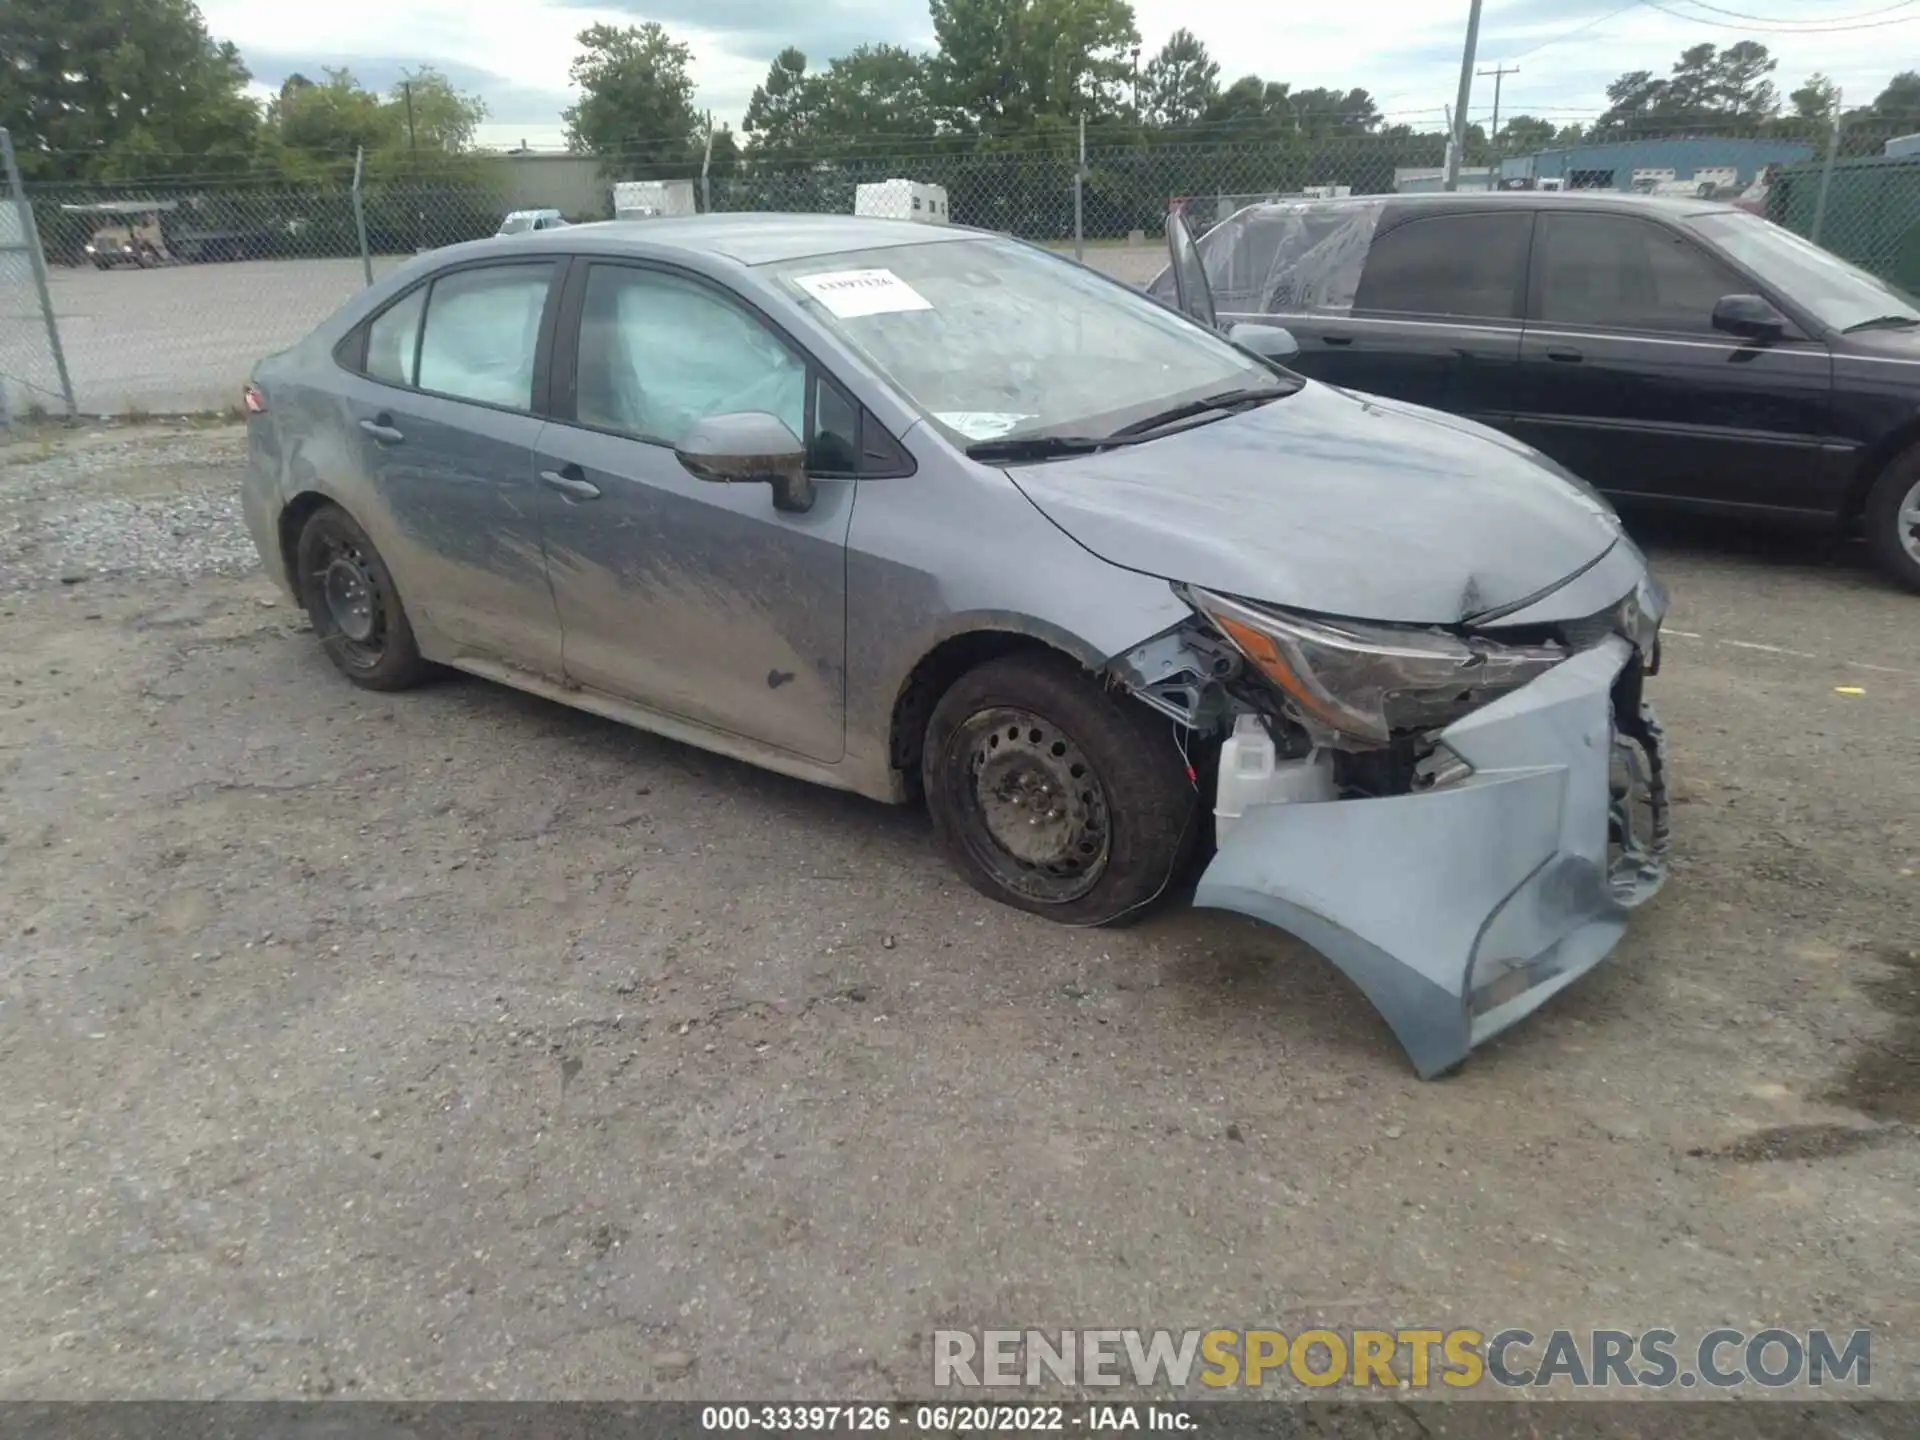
[
  {"x": 517, "y": 224},
  {"x": 1837, "y": 293},
  {"x": 990, "y": 338}
]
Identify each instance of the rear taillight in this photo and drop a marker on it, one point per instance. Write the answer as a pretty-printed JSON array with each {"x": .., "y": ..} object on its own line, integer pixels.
[{"x": 253, "y": 400}]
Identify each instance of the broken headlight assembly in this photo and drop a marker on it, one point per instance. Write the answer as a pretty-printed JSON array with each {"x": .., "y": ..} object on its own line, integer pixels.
[{"x": 1362, "y": 681}]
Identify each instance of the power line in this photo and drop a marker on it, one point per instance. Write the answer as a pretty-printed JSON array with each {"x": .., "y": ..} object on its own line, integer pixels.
[
  {"x": 1578, "y": 29},
  {"x": 1776, "y": 29},
  {"x": 1823, "y": 20}
]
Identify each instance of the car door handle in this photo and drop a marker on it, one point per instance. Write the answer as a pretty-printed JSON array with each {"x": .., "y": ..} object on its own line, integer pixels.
[
  {"x": 1565, "y": 355},
  {"x": 382, "y": 431},
  {"x": 568, "y": 481},
  {"x": 1336, "y": 339}
]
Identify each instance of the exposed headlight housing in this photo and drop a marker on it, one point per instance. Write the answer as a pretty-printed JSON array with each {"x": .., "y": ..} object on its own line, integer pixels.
[{"x": 1364, "y": 681}]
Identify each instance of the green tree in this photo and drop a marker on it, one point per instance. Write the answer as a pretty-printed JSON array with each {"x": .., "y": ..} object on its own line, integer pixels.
[
  {"x": 636, "y": 101},
  {"x": 437, "y": 116},
  {"x": 1181, "y": 83},
  {"x": 1816, "y": 99},
  {"x": 1252, "y": 109},
  {"x": 1010, "y": 66},
  {"x": 314, "y": 128},
  {"x": 101, "y": 89},
  {"x": 1901, "y": 99},
  {"x": 1706, "y": 87},
  {"x": 1323, "y": 113},
  {"x": 1525, "y": 134},
  {"x": 779, "y": 113},
  {"x": 875, "y": 96}
]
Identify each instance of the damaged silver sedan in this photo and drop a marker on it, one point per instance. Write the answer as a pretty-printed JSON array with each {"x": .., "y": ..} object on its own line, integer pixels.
[{"x": 925, "y": 512}]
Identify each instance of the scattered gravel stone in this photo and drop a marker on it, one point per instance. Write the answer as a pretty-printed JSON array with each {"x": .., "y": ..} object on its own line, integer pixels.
[{"x": 147, "y": 503}]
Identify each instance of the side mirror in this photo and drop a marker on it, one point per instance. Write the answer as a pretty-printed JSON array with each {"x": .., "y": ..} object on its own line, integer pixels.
[
  {"x": 1269, "y": 342},
  {"x": 749, "y": 447},
  {"x": 1748, "y": 316}
]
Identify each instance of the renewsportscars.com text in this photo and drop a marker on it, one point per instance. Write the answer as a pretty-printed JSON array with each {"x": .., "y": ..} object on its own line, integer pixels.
[{"x": 1419, "y": 1359}]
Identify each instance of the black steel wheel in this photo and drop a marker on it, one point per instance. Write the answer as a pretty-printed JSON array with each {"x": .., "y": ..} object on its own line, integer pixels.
[
  {"x": 1052, "y": 795},
  {"x": 350, "y": 597}
]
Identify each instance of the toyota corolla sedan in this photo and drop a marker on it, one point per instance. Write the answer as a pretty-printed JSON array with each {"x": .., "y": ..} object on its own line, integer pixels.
[{"x": 927, "y": 512}]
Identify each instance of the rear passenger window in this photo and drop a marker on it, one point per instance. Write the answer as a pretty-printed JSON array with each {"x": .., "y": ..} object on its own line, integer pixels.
[
  {"x": 393, "y": 340},
  {"x": 1469, "y": 266},
  {"x": 482, "y": 329}
]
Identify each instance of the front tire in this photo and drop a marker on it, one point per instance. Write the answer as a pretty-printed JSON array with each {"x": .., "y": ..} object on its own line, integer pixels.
[
  {"x": 355, "y": 608},
  {"x": 1053, "y": 796},
  {"x": 1892, "y": 518}
]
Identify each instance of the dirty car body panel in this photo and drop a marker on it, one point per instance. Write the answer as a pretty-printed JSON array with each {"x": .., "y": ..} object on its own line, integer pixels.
[{"x": 1467, "y": 625}]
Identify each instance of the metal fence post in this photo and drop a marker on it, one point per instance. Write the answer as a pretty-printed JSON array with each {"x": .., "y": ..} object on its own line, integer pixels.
[
  {"x": 36, "y": 258},
  {"x": 1079, "y": 203},
  {"x": 706, "y": 160},
  {"x": 1826, "y": 171},
  {"x": 360, "y": 213}
]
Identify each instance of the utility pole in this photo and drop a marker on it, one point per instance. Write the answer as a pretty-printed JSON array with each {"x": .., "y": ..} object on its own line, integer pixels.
[
  {"x": 1466, "y": 94},
  {"x": 1498, "y": 72}
]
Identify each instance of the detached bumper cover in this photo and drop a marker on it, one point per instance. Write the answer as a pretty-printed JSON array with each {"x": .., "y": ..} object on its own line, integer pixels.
[{"x": 1460, "y": 910}]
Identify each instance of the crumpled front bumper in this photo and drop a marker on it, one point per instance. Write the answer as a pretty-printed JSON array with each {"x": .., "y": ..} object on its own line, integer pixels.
[{"x": 1461, "y": 909}]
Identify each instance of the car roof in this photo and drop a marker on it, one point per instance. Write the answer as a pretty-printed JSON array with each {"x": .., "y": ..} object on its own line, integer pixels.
[
  {"x": 749, "y": 238},
  {"x": 1620, "y": 200}
]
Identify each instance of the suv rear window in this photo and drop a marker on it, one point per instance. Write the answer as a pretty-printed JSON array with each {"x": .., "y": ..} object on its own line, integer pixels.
[{"x": 1468, "y": 266}]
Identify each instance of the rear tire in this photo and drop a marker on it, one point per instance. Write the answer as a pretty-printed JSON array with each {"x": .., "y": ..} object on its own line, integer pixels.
[
  {"x": 354, "y": 605},
  {"x": 1892, "y": 517},
  {"x": 1053, "y": 796}
]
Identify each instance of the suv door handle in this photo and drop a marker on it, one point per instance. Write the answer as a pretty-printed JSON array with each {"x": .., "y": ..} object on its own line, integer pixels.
[
  {"x": 1564, "y": 354},
  {"x": 1336, "y": 339},
  {"x": 382, "y": 430},
  {"x": 569, "y": 481}
]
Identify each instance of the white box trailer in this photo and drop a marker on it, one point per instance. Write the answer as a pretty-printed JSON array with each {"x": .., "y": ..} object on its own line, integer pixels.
[
  {"x": 902, "y": 200},
  {"x": 650, "y": 199}
]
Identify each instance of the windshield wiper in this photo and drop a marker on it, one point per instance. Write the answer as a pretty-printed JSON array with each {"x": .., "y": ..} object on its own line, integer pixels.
[
  {"x": 1039, "y": 447},
  {"x": 1225, "y": 400},
  {"x": 1883, "y": 322}
]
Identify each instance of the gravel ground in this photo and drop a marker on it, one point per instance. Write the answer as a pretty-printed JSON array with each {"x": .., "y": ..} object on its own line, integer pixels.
[
  {"x": 455, "y": 1044},
  {"x": 144, "y": 503}
]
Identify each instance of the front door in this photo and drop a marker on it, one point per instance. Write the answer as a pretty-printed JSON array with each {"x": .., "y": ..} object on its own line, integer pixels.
[
  {"x": 1624, "y": 380},
  {"x": 443, "y": 420},
  {"x": 695, "y": 599}
]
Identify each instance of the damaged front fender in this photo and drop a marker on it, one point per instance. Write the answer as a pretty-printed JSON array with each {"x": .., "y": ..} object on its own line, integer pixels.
[{"x": 1461, "y": 909}]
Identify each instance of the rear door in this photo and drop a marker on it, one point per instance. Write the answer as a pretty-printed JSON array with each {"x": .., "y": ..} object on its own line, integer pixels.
[
  {"x": 442, "y": 409},
  {"x": 1624, "y": 380},
  {"x": 1436, "y": 319}
]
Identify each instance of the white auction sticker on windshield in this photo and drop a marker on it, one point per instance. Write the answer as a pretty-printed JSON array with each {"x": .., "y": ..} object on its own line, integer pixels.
[
  {"x": 849, "y": 294},
  {"x": 981, "y": 424}
]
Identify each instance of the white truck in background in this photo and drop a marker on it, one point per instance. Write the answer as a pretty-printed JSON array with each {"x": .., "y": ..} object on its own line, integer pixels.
[
  {"x": 650, "y": 199},
  {"x": 902, "y": 200}
]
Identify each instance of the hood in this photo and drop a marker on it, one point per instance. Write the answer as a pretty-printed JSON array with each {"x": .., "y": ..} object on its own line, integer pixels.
[{"x": 1334, "y": 502}]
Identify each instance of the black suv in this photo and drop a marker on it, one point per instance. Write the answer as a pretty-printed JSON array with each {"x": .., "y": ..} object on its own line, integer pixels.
[{"x": 1677, "y": 351}]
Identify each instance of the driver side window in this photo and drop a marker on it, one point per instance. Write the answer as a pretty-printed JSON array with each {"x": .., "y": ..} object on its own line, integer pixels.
[{"x": 658, "y": 352}]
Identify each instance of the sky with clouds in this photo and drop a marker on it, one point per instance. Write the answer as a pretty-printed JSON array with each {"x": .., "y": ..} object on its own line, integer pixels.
[{"x": 515, "y": 53}]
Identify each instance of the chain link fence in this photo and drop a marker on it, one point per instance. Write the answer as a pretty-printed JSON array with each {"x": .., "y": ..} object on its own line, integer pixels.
[
  {"x": 168, "y": 289},
  {"x": 33, "y": 367}
]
